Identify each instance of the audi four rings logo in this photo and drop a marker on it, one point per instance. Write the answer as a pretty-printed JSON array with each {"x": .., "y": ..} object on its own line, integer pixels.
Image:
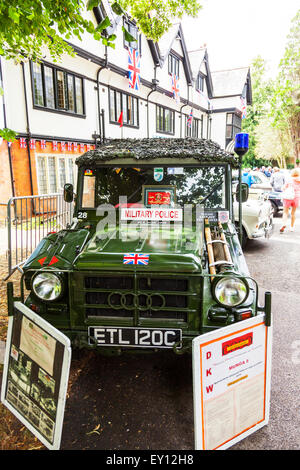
[{"x": 130, "y": 301}]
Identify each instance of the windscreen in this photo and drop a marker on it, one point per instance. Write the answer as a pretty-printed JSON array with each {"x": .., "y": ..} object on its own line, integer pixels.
[{"x": 155, "y": 187}]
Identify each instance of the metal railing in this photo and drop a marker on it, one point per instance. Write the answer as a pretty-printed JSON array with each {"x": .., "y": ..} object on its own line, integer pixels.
[{"x": 31, "y": 218}]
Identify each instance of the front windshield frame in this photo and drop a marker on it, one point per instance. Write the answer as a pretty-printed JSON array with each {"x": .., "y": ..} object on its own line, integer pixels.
[{"x": 227, "y": 180}]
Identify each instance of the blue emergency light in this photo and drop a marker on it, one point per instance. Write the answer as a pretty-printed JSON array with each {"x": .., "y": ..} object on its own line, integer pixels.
[{"x": 241, "y": 145}]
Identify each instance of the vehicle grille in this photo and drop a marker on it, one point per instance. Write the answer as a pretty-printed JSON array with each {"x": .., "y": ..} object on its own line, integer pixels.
[{"x": 137, "y": 296}]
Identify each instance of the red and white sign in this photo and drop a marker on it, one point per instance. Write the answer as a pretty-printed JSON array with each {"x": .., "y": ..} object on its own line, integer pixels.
[
  {"x": 147, "y": 214},
  {"x": 231, "y": 374}
]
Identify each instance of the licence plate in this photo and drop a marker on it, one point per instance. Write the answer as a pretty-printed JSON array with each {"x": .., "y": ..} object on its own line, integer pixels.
[{"x": 135, "y": 337}]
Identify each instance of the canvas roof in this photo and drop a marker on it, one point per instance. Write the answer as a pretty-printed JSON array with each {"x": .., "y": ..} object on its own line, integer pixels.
[{"x": 156, "y": 148}]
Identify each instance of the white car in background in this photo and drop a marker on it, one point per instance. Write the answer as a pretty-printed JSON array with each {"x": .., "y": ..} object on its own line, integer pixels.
[{"x": 257, "y": 218}]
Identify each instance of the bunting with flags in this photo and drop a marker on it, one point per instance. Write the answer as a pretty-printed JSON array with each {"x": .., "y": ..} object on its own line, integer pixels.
[
  {"x": 23, "y": 143},
  {"x": 175, "y": 88},
  {"x": 134, "y": 69},
  {"x": 58, "y": 145},
  {"x": 32, "y": 144}
]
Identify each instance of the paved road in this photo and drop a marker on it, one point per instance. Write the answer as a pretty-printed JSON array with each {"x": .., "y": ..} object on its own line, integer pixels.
[{"x": 147, "y": 402}]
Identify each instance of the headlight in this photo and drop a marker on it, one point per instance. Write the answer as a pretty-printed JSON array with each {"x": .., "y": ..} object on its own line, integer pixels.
[
  {"x": 47, "y": 286},
  {"x": 230, "y": 291}
]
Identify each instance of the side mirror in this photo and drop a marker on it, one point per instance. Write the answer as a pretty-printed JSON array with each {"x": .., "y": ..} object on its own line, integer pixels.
[
  {"x": 68, "y": 192},
  {"x": 245, "y": 192}
]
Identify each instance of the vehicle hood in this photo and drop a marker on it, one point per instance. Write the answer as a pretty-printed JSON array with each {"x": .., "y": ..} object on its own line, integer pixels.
[{"x": 165, "y": 250}]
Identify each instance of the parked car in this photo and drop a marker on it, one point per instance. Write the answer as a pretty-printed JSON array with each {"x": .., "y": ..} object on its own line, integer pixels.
[
  {"x": 257, "y": 219},
  {"x": 262, "y": 188}
]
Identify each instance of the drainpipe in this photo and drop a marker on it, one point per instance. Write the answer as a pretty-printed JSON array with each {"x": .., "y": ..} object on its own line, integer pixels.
[
  {"x": 101, "y": 129},
  {"x": 154, "y": 86},
  {"x": 13, "y": 192},
  {"x": 28, "y": 128},
  {"x": 186, "y": 103}
]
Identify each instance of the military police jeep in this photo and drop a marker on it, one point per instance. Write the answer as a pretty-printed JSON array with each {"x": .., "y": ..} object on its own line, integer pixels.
[{"x": 152, "y": 258}]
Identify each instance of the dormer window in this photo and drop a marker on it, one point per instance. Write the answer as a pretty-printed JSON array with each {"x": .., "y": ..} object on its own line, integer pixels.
[
  {"x": 173, "y": 65},
  {"x": 200, "y": 82}
]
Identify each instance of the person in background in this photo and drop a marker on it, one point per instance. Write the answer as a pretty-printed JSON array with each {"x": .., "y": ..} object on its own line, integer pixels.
[
  {"x": 247, "y": 177},
  {"x": 277, "y": 180},
  {"x": 291, "y": 203},
  {"x": 268, "y": 171},
  {"x": 263, "y": 169}
]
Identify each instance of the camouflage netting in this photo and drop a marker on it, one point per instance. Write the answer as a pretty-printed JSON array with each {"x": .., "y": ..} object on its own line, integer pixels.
[{"x": 147, "y": 149}]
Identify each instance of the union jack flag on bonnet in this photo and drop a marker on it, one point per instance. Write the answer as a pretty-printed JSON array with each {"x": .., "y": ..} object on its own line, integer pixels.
[
  {"x": 136, "y": 258},
  {"x": 134, "y": 69}
]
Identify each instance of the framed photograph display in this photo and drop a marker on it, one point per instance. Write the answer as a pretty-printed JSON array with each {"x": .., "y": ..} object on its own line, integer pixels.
[{"x": 36, "y": 373}]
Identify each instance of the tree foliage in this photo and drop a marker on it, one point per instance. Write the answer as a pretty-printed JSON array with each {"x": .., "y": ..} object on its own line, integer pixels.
[
  {"x": 155, "y": 17},
  {"x": 285, "y": 104},
  {"x": 262, "y": 90},
  {"x": 272, "y": 143}
]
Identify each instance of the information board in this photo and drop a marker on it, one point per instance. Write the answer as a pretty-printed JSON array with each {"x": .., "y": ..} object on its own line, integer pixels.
[
  {"x": 231, "y": 382},
  {"x": 36, "y": 372}
]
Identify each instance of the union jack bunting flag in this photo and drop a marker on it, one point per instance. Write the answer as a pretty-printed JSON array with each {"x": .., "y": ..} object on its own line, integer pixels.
[
  {"x": 43, "y": 144},
  {"x": 88, "y": 147},
  {"x": 75, "y": 146},
  {"x": 23, "y": 143},
  {"x": 63, "y": 146},
  {"x": 69, "y": 146},
  {"x": 190, "y": 119},
  {"x": 243, "y": 108},
  {"x": 32, "y": 144},
  {"x": 136, "y": 258},
  {"x": 134, "y": 69},
  {"x": 81, "y": 147},
  {"x": 175, "y": 87},
  {"x": 54, "y": 145}
]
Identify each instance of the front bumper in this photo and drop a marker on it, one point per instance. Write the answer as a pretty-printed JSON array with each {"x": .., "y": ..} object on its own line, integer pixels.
[{"x": 265, "y": 230}]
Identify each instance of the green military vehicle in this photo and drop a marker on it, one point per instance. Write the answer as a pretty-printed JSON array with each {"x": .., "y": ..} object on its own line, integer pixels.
[{"x": 152, "y": 258}]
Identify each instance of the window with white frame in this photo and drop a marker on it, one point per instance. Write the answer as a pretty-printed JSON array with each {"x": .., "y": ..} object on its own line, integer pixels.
[
  {"x": 134, "y": 32},
  {"x": 125, "y": 103},
  {"x": 53, "y": 171},
  {"x": 57, "y": 89},
  {"x": 173, "y": 65},
  {"x": 200, "y": 82},
  {"x": 233, "y": 126},
  {"x": 165, "y": 120}
]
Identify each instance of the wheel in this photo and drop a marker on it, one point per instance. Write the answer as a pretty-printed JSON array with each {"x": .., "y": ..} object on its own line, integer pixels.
[
  {"x": 275, "y": 208},
  {"x": 244, "y": 239}
]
